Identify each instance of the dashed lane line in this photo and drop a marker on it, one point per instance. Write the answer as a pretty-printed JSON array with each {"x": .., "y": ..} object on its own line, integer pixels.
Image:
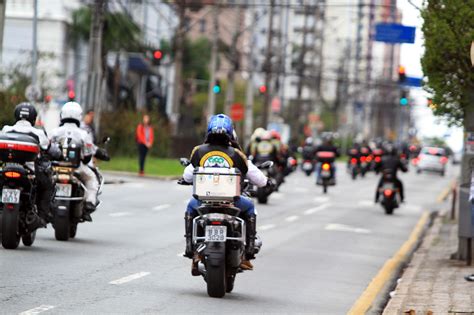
[
  {"x": 161, "y": 207},
  {"x": 292, "y": 218},
  {"x": 266, "y": 227},
  {"x": 129, "y": 278},
  {"x": 346, "y": 228},
  {"x": 37, "y": 310},
  {"x": 120, "y": 214},
  {"x": 316, "y": 209}
]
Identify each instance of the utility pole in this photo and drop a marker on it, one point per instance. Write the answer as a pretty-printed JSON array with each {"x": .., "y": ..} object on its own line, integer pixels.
[
  {"x": 178, "y": 67},
  {"x": 234, "y": 56},
  {"x": 2, "y": 25},
  {"x": 34, "y": 54},
  {"x": 267, "y": 67},
  {"x": 141, "y": 102},
  {"x": 248, "y": 122},
  {"x": 301, "y": 79},
  {"x": 211, "y": 103},
  {"x": 358, "y": 57}
]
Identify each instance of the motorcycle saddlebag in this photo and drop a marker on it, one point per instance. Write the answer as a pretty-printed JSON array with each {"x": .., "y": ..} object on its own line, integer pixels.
[{"x": 18, "y": 147}]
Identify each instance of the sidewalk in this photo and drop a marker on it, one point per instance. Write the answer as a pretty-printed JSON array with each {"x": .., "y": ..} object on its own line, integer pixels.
[{"x": 432, "y": 283}]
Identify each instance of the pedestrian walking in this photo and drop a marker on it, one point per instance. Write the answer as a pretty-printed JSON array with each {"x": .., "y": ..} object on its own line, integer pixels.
[{"x": 144, "y": 136}]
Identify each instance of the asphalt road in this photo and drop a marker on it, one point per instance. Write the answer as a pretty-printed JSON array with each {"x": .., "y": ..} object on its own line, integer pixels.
[{"x": 319, "y": 252}]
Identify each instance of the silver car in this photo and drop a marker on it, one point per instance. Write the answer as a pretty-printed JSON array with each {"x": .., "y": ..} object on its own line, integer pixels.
[{"x": 432, "y": 159}]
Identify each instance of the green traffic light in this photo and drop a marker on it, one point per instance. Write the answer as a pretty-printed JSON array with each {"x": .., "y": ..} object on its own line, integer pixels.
[
  {"x": 216, "y": 89},
  {"x": 403, "y": 101}
]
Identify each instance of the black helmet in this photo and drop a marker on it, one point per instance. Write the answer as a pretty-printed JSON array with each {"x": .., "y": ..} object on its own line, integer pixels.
[{"x": 27, "y": 112}]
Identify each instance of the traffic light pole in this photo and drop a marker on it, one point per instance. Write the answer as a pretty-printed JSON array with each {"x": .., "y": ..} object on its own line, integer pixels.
[{"x": 211, "y": 105}]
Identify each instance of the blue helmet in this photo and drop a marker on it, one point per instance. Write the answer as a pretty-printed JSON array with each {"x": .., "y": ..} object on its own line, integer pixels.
[{"x": 220, "y": 124}]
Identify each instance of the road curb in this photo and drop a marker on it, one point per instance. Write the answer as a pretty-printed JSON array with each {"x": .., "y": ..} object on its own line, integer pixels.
[
  {"x": 134, "y": 175},
  {"x": 375, "y": 297}
]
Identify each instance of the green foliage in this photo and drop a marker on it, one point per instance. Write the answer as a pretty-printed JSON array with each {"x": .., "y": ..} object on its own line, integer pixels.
[
  {"x": 153, "y": 166},
  {"x": 449, "y": 30},
  {"x": 120, "y": 31},
  {"x": 121, "y": 126}
]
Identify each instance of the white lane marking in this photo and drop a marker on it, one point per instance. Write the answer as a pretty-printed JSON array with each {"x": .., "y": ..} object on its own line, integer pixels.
[
  {"x": 266, "y": 227},
  {"x": 365, "y": 203},
  {"x": 37, "y": 310},
  {"x": 411, "y": 207},
  {"x": 321, "y": 199},
  {"x": 292, "y": 218},
  {"x": 120, "y": 214},
  {"x": 345, "y": 228},
  {"x": 129, "y": 278},
  {"x": 277, "y": 195},
  {"x": 161, "y": 207},
  {"x": 316, "y": 209}
]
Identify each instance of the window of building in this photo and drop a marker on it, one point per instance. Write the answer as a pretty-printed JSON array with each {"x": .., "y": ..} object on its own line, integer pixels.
[{"x": 202, "y": 25}]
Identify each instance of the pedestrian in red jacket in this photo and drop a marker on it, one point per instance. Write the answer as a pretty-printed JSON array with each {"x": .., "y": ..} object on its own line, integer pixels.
[{"x": 144, "y": 136}]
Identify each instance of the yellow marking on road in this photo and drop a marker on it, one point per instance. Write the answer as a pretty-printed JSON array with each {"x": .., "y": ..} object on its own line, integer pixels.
[
  {"x": 445, "y": 193},
  {"x": 365, "y": 301}
]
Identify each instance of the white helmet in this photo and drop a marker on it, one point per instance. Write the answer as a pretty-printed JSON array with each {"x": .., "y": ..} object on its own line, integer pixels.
[{"x": 71, "y": 112}]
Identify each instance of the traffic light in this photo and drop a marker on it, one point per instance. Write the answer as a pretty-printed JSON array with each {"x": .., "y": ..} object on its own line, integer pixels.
[
  {"x": 157, "y": 56},
  {"x": 403, "y": 98},
  {"x": 262, "y": 89},
  {"x": 401, "y": 74},
  {"x": 216, "y": 89},
  {"x": 71, "y": 95}
]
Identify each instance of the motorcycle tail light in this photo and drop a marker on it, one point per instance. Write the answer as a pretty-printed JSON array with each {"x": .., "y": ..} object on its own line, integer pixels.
[
  {"x": 369, "y": 158},
  {"x": 378, "y": 159},
  {"x": 216, "y": 222},
  {"x": 63, "y": 178},
  {"x": 326, "y": 167},
  {"x": 353, "y": 161},
  {"x": 363, "y": 159},
  {"x": 12, "y": 174},
  {"x": 387, "y": 192}
]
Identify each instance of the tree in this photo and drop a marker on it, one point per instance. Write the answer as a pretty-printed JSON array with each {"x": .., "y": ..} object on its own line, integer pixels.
[{"x": 449, "y": 30}]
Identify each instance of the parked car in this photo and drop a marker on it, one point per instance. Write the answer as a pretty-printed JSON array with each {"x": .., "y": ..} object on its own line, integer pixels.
[{"x": 432, "y": 159}]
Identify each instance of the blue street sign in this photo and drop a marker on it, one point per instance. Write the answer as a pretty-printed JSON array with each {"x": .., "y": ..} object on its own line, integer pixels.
[
  {"x": 411, "y": 81},
  {"x": 394, "y": 33}
]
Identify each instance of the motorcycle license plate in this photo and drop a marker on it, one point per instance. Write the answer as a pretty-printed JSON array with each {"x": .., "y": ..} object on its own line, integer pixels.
[
  {"x": 11, "y": 196},
  {"x": 307, "y": 166},
  {"x": 388, "y": 186},
  {"x": 63, "y": 190},
  {"x": 216, "y": 233},
  {"x": 325, "y": 173},
  {"x": 364, "y": 164}
]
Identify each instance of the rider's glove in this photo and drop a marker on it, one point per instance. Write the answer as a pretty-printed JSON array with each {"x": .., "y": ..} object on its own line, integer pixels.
[{"x": 102, "y": 154}]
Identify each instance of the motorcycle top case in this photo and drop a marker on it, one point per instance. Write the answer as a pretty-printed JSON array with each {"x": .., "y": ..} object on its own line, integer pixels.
[
  {"x": 18, "y": 147},
  {"x": 326, "y": 156},
  {"x": 210, "y": 184}
]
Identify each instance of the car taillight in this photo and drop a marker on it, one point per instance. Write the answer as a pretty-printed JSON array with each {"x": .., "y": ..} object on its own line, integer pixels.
[
  {"x": 378, "y": 159},
  {"x": 11, "y": 174},
  {"x": 443, "y": 160},
  {"x": 353, "y": 161},
  {"x": 387, "y": 192},
  {"x": 326, "y": 167}
]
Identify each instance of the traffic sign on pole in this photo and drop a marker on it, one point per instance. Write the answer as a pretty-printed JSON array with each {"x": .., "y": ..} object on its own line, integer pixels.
[
  {"x": 237, "y": 112},
  {"x": 394, "y": 33}
]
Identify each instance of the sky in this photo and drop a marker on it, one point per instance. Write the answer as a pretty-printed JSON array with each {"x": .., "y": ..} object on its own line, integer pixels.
[{"x": 426, "y": 123}]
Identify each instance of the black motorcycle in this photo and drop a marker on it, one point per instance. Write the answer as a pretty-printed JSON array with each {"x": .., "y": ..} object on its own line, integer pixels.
[
  {"x": 70, "y": 191},
  {"x": 18, "y": 182},
  {"x": 219, "y": 234},
  {"x": 326, "y": 170},
  {"x": 390, "y": 194}
]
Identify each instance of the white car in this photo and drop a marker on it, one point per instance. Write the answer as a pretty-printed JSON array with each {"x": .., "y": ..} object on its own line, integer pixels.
[{"x": 431, "y": 159}]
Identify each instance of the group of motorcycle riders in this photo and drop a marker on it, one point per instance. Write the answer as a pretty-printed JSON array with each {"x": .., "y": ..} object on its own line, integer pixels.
[{"x": 220, "y": 141}]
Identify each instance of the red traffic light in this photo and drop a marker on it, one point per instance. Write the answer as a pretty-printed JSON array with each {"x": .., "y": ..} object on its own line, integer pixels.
[
  {"x": 71, "y": 95},
  {"x": 263, "y": 89},
  {"x": 157, "y": 54}
]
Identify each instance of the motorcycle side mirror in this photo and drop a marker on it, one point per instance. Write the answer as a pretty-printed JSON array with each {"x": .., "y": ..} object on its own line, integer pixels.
[
  {"x": 266, "y": 165},
  {"x": 106, "y": 140},
  {"x": 184, "y": 162}
]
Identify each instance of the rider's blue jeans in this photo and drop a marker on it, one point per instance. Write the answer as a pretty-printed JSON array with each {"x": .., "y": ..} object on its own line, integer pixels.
[{"x": 245, "y": 204}]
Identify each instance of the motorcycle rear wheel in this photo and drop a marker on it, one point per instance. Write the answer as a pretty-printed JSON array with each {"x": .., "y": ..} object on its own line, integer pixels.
[
  {"x": 10, "y": 228},
  {"x": 216, "y": 280}
]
